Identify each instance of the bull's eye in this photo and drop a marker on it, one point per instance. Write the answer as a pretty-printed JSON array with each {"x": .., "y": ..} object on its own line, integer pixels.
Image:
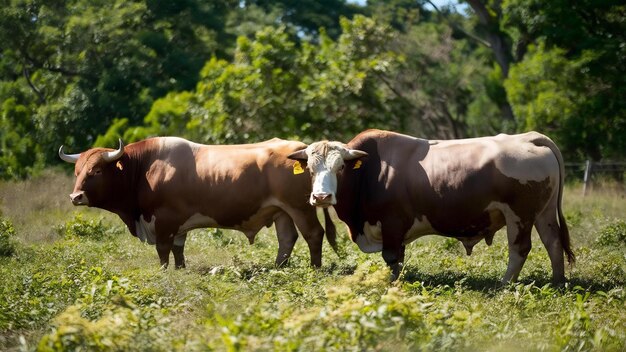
[{"x": 342, "y": 167}]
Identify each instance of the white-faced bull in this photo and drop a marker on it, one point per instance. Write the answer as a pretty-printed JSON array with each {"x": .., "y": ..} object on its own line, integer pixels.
[
  {"x": 163, "y": 187},
  {"x": 391, "y": 189}
]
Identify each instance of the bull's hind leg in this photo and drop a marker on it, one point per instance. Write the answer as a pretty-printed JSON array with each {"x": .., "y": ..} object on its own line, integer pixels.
[
  {"x": 518, "y": 235},
  {"x": 287, "y": 236},
  {"x": 548, "y": 229}
]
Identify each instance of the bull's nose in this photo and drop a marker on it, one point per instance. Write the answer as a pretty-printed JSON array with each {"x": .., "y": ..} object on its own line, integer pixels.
[
  {"x": 322, "y": 199},
  {"x": 78, "y": 198}
]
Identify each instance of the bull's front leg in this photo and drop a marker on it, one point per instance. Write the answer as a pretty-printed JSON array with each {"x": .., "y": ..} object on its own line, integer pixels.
[
  {"x": 178, "y": 249},
  {"x": 393, "y": 248},
  {"x": 164, "y": 249}
]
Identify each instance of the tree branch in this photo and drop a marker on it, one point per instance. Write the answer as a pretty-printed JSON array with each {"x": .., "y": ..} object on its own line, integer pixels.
[
  {"x": 459, "y": 28},
  {"x": 43, "y": 66},
  {"x": 42, "y": 99}
]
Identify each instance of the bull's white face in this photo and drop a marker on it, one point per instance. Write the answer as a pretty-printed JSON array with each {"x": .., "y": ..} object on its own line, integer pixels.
[{"x": 324, "y": 161}]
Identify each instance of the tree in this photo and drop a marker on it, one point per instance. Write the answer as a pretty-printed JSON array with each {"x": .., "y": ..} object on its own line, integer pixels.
[
  {"x": 87, "y": 63},
  {"x": 572, "y": 80},
  {"x": 308, "y": 16},
  {"x": 277, "y": 88}
]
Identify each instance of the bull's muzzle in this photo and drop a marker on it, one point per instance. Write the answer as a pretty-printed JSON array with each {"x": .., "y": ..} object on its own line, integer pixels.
[
  {"x": 79, "y": 198},
  {"x": 322, "y": 199}
]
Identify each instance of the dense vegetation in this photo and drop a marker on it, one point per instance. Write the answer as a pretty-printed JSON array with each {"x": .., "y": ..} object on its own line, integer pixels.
[
  {"x": 84, "y": 72},
  {"x": 79, "y": 280}
]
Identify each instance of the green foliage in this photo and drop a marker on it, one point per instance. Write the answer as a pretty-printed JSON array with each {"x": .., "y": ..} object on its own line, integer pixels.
[
  {"x": 125, "y": 317},
  {"x": 84, "y": 73},
  {"x": 547, "y": 95},
  {"x": 273, "y": 87},
  {"x": 7, "y": 238},
  {"x": 441, "y": 85},
  {"x": 311, "y": 15},
  {"x": 86, "y": 228},
  {"x": 20, "y": 154},
  {"x": 613, "y": 234},
  {"x": 79, "y": 65},
  {"x": 67, "y": 293},
  {"x": 573, "y": 72}
]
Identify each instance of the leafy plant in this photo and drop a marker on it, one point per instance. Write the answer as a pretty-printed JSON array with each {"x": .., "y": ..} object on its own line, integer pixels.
[
  {"x": 86, "y": 228},
  {"x": 7, "y": 235},
  {"x": 613, "y": 234}
]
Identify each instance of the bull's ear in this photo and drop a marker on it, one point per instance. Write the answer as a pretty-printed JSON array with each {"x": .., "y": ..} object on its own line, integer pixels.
[
  {"x": 299, "y": 155},
  {"x": 355, "y": 154}
]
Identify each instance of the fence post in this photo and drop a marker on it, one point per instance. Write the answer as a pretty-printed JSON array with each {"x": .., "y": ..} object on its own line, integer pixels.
[{"x": 587, "y": 176}]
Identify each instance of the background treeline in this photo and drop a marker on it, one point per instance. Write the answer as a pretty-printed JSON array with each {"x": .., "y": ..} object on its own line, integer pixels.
[{"x": 83, "y": 72}]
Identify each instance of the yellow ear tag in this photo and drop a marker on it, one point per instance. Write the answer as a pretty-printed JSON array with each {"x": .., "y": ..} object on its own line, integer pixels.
[
  {"x": 357, "y": 165},
  {"x": 297, "y": 168},
  {"x": 119, "y": 165}
]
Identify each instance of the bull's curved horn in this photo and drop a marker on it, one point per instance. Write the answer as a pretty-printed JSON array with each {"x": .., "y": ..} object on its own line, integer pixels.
[
  {"x": 355, "y": 154},
  {"x": 299, "y": 155},
  {"x": 70, "y": 158},
  {"x": 114, "y": 155}
]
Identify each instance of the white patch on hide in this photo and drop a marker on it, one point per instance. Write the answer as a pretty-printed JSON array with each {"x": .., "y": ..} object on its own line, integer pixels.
[
  {"x": 509, "y": 214},
  {"x": 146, "y": 231},
  {"x": 195, "y": 221},
  {"x": 372, "y": 239},
  {"x": 418, "y": 229}
]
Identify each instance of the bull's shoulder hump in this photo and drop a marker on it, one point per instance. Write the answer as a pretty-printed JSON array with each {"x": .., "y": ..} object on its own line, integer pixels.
[
  {"x": 387, "y": 138},
  {"x": 378, "y": 134}
]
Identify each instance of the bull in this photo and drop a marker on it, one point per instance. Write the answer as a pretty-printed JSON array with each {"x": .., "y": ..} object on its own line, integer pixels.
[
  {"x": 163, "y": 187},
  {"x": 391, "y": 189}
]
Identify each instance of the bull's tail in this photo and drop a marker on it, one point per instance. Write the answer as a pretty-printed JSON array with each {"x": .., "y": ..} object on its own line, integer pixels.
[
  {"x": 563, "y": 230},
  {"x": 330, "y": 230}
]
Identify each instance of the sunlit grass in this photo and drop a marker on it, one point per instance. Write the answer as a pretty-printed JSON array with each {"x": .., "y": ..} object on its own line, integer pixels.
[{"x": 71, "y": 290}]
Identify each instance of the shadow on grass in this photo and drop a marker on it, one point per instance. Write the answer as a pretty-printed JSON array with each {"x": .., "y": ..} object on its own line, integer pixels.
[
  {"x": 596, "y": 285},
  {"x": 487, "y": 284},
  {"x": 452, "y": 279}
]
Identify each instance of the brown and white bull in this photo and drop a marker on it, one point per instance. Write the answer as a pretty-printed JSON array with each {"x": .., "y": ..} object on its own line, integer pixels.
[
  {"x": 163, "y": 187},
  {"x": 391, "y": 189}
]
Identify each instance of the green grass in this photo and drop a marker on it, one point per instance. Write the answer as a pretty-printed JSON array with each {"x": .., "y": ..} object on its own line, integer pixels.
[{"x": 78, "y": 280}]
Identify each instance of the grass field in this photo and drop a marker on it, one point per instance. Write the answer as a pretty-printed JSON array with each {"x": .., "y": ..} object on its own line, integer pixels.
[{"x": 75, "y": 279}]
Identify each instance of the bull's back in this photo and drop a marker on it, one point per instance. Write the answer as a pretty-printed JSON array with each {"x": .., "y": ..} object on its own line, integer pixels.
[
  {"x": 453, "y": 183},
  {"x": 228, "y": 183}
]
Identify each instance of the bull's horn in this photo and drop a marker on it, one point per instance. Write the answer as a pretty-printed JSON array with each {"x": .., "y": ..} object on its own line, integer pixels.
[
  {"x": 299, "y": 155},
  {"x": 114, "y": 155},
  {"x": 355, "y": 154},
  {"x": 70, "y": 158}
]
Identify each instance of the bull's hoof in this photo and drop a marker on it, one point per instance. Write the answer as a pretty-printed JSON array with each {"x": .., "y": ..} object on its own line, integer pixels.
[
  {"x": 282, "y": 263},
  {"x": 395, "y": 271}
]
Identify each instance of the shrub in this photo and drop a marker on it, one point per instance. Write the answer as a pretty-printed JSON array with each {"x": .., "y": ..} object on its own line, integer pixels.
[
  {"x": 123, "y": 323},
  {"x": 613, "y": 234},
  {"x": 80, "y": 227},
  {"x": 7, "y": 233}
]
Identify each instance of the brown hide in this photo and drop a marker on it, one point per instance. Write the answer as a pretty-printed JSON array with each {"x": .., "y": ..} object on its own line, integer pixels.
[
  {"x": 185, "y": 185},
  {"x": 454, "y": 186}
]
